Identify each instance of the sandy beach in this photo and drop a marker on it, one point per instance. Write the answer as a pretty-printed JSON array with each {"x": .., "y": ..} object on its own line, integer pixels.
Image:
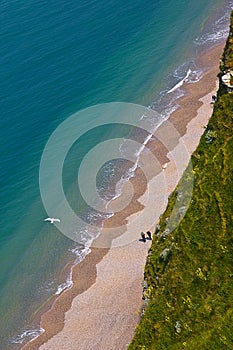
[{"x": 102, "y": 308}]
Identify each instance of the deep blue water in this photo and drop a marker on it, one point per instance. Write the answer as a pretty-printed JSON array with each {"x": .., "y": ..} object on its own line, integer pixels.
[{"x": 58, "y": 57}]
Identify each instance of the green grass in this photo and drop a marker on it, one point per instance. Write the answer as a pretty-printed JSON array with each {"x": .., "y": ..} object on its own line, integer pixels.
[
  {"x": 193, "y": 285},
  {"x": 227, "y": 59}
]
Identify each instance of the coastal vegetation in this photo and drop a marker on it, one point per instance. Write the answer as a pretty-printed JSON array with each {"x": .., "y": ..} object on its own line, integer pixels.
[{"x": 187, "y": 289}]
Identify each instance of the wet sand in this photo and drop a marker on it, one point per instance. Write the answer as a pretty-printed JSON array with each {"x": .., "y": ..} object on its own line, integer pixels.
[{"x": 102, "y": 309}]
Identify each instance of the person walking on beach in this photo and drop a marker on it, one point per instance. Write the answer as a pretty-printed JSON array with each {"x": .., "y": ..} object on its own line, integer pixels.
[
  {"x": 149, "y": 235},
  {"x": 143, "y": 237},
  {"x": 214, "y": 99}
]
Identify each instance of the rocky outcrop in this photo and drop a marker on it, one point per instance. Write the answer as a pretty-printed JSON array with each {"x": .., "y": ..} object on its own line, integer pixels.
[{"x": 227, "y": 80}]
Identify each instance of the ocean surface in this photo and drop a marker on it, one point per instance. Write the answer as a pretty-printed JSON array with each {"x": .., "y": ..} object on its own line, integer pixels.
[{"x": 57, "y": 58}]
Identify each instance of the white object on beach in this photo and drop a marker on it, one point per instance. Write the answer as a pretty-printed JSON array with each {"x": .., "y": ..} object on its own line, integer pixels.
[
  {"x": 164, "y": 166},
  {"x": 227, "y": 79},
  {"x": 52, "y": 220}
]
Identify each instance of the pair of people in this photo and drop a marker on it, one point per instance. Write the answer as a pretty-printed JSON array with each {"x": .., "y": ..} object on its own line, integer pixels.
[
  {"x": 144, "y": 236},
  {"x": 214, "y": 99}
]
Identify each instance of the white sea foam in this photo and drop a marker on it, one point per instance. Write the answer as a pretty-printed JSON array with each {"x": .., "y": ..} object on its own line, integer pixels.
[
  {"x": 212, "y": 37},
  {"x": 169, "y": 110},
  {"x": 27, "y": 335},
  {"x": 66, "y": 285},
  {"x": 195, "y": 76},
  {"x": 131, "y": 171},
  {"x": 81, "y": 254},
  {"x": 218, "y": 31},
  {"x": 181, "y": 82},
  {"x": 48, "y": 287}
]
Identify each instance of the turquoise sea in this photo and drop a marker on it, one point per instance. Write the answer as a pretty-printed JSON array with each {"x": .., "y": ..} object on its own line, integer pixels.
[{"x": 58, "y": 57}]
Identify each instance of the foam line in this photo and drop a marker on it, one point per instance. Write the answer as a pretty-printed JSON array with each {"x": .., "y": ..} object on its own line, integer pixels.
[{"x": 180, "y": 83}]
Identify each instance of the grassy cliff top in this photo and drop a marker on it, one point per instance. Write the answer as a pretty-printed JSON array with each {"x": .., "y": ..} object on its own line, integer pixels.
[
  {"x": 189, "y": 273},
  {"x": 227, "y": 59}
]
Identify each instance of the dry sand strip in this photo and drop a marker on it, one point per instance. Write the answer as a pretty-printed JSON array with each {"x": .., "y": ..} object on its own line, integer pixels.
[{"x": 102, "y": 310}]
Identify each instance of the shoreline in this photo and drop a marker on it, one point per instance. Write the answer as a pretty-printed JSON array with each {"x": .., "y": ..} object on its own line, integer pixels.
[{"x": 106, "y": 268}]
